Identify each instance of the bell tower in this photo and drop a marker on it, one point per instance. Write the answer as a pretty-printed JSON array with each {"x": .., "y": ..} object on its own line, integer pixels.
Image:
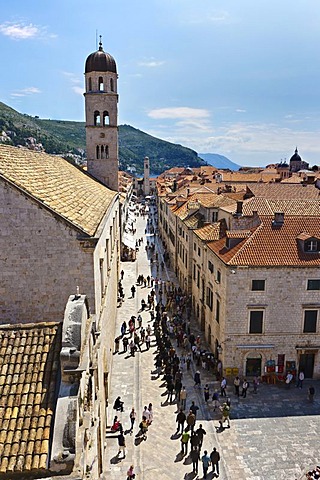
[
  {"x": 101, "y": 104},
  {"x": 146, "y": 176}
]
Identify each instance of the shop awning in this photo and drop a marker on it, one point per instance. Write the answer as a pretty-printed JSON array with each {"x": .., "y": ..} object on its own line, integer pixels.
[
  {"x": 254, "y": 347},
  {"x": 129, "y": 240}
]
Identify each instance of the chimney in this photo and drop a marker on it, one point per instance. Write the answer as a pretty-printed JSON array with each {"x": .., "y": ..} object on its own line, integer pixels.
[
  {"x": 239, "y": 208},
  {"x": 278, "y": 219}
]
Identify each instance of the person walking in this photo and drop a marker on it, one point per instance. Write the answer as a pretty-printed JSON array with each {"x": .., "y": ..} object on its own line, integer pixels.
[
  {"x": 125, "y": 342},
  {"x": 223, "y": 386},
  {"x": 133, "y": 417},
  {"x": 245, "y": 386},
  {"x": 311, "y": 393},
  {"x": 215, "y": 399},
  {"x": 194, "y": 441},
  {"x": 215, "y": 458},
  {"x": 300, "y": 379},
  {"x": 116, "y": 343},
  {"x": 194, "y": 408},
  {"x": 236, "y": 384},
  {"x": 225, "y": 410},
  {"x": 195, "y": 457},
  {"x": 183, "y": 398},
  {"x": 184, "y": 442},
  {"x": 206, "y": 393},
  {"x": 255, "y": 384},
  {"x": 148, "y": 342},
  {"x": 197, "y": 379},
  {"x": 205, "y": 463},
  {"x": 122, "y": 274},
  {"x": 180, "y": 419},
  {"x": 201, "y": 433},
  {"x": 133, "y": 291},
  {"x": 191, "y": 420},
  {"x": 122, "y": 444},
  {"x": 289, "y": 379},
  {"x": 130, "y": 473}
]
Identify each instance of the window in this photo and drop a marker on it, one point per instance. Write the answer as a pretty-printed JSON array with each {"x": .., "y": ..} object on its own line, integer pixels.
[
  {"x": 199, "y": 252},
  {"x": 209, "y": 299},
  {"x": 217, "y": 310},
  {"x": 218, "y": 279},
  {"x": 106, "y": 120},
  {"x": 313, "y": 284},
  {"x": 256, "y": 321},
  {"x": 310, "y": 321},
  {"x": 198, "y": 278},
  {"x": 194, "y": 247},
  {"x": 101, "y": 84},
  {"x": 194, "y": 271},
  {"x": 111, "y": 85},
  {"x": 312, "y": 245},
  {"x": 90, "y": 85},
  {"x": 210, "y": 266},
  {"x": 258, "y": 285},
  {"x": 96, "y": 119},
  {"x": 214, "y": 217}
]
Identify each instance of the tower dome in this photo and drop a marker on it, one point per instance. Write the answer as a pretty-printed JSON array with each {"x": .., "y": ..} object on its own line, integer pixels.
[
  {"x": 296, "y": 157},
  {"x": 100, "y": 61}
]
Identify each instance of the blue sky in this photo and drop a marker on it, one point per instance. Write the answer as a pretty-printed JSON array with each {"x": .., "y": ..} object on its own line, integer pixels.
[{"x": 239, "y": 77}]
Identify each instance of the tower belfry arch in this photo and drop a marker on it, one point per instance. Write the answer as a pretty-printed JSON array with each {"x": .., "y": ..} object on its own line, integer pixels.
[{"x": 101, "y": 105}]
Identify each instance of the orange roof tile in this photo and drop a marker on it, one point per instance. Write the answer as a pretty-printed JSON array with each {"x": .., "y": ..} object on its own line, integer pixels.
[
  {"x": 209, "y": 232},
  {"x": 273, "y": 246},
  {"x": 29, "y": 362}
]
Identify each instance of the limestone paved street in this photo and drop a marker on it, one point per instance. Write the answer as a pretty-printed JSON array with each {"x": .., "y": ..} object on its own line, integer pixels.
[{"x": 274, "y": 435}]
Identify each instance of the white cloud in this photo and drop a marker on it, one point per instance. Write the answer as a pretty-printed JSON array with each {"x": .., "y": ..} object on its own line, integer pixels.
[
  {"x": 26, "y": 91},
  {"x": 152, "y": 63},
  {"x": 185, "y": 113},
  {"x": 21, "y": 31},
  {"x": 240, "y": 110},
  {"x": 198, "y": 17},
  {"x": 77, "y": 89},
  {"x": 76, "y": 83}
]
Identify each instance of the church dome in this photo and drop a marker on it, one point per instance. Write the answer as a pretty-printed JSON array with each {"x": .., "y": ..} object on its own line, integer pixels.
[
  {"x": 100, "y": 61},
  {"x": 296, "y": 157}
]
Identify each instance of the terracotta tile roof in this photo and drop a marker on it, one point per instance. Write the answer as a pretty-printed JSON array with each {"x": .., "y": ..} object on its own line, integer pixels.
[
  {"x": 264, "y": 176},
  {"x": 209, "y": 232},
  {"x": 273, "y": 246},
  {"x": 264, "y": 206},
  {"x": 193, "y": 220},
  {"x": 238, "y": 233},
  {"x": 29, "y": 364},
  {"x": 282, "y": 191},
  {"x": 57, "y": 184}
]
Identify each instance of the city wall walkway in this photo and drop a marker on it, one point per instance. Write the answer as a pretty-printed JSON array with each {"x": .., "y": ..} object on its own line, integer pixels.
[{"x": 273, "y": 434}]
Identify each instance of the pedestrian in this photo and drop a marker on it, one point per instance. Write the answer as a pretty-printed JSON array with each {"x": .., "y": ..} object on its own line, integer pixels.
[
  {"x": 132, "y": 348},
  {"x": 311, "y": 393},
  {"x": 130, "y": 473},
  {"x": 137, "y": 341},
  {"x": 205, "y": 463},
  {"x": 194, "y": 441},
  {"x": 188, "y": 361},
  {"x": 245, "y": 386},
  {"x": 201, "y": 433},
  {"x": 132, "y": 416},
  {"x": 180, "y": 419},
  {"x": 191, "y": 421},
  {"x": 300, "y": 379},
  {"x": 122, "y": 274},
  {"x": 184, "y": 442},
  {"x": 289, "y": 379},
  {"x": 255, "y": 384},
  {"x": 215, "y": 399},
  {"x": 183, "y": 398},
  {"x": 146, "y": 414},
  {"x": 125, "y": 342},
  {"x": 206, "y": 393},
  {"x": 122, "y": 444},
  {"x": 144, "y": 427},
  {"x": 148, "y": 341},
  {"x": 225, "y": 410},
  {"x": 133, "y": 291},
  {"x": 236, "y": 384},
  {"x": 150, "y": 408},
  {"x": 195, "y": 457},
  {"x": 123, "y": 328},
  {"x": 215, "y": 458},
  {"x": 194, "y": 408},
  {"x": 118, "y": 404},
  {"x": 139, "y": 318},
  {"x": 197, "y": 379},
  {"x": 223, "y": 386},
  {"x": 116, "y": 343},
  {"x": 170, "y": 389}
]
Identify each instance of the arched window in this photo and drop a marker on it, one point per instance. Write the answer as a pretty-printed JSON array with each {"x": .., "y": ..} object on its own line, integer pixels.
[
  {"x": 106, "y": 120},
  {"x": 101, "y": 88},
  {"x": 90, "y": 84},
  {"x": 111, "y": 85},
  {"x": 107, "y": 151},
  {"x": 102, "y": 151},
  {"x": 97, "y": 152},
  {"x": 97, "y": 119}
]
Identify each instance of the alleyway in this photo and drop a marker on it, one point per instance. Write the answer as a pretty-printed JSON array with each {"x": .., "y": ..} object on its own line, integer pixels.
[{"x": 259, "y": 447}]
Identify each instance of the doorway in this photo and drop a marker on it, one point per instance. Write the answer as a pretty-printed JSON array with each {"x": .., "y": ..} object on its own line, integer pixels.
[
  {"x": 306, "y": 364},
  {"x": 253, "y": 367}
]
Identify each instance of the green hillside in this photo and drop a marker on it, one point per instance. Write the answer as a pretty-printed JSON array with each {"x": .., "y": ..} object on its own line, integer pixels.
[{"x": 68, "y": 139}]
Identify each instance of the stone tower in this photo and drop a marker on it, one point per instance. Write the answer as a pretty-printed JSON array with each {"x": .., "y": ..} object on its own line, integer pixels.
[
  {"x": 146, "y": 176},
  {"x": 101, "y": 102}
]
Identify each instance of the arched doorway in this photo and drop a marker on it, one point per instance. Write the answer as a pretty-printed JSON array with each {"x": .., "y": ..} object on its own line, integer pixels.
[{"x": 253, "y": 365}]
